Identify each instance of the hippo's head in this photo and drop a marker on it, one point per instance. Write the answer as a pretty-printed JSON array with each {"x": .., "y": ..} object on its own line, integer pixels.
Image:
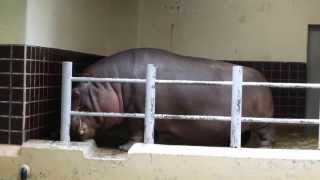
[{"x": 94, "y": 97}]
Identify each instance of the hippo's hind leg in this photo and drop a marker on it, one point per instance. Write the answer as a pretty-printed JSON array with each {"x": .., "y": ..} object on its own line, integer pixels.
[{"x": 265, "y": 135}]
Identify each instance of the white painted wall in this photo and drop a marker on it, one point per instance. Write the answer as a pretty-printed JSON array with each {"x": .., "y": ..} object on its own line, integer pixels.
[
  {"x": 67, "y": 24},
  {"x": 122, "y": 25},
  {"x": 253, "y": 30},
  {"x": 230, "y": 29},
  {"x": 12, "y": 21},
  {"x": 95, "y": 26}
]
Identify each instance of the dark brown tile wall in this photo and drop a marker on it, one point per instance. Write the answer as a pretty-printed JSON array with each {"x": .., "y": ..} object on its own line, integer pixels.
[
  {"x": 42, "y": 89},
  {"x": 11, "y": 85},
  {"x": 43, "y": 82}
]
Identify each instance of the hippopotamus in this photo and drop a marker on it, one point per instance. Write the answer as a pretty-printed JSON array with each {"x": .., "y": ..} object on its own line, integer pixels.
[{"x": 170, "y": 99}]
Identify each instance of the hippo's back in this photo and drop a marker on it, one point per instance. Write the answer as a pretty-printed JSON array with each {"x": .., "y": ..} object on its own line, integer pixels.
[{"x": 132, "y": 63}]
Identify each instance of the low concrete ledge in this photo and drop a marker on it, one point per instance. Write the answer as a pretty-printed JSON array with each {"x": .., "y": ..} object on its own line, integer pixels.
[
  {"x": 252, "y": 153},
  {"x": 88, "y": 149},
  {"x": 9, "y": 150},
  {"x": 55, "y": 160}
]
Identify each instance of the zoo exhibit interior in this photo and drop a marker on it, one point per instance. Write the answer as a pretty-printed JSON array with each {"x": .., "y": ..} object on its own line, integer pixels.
[{"x": 279, "y": 39}]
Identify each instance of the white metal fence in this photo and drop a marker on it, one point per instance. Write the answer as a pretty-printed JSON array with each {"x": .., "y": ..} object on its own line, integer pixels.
[{"x": 150, "y": 116}]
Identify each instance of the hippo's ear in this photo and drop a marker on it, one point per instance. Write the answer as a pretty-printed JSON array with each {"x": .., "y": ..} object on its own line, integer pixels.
[
  {"x": 75, "y": 96},
  {"x": 76, "y": 93}
]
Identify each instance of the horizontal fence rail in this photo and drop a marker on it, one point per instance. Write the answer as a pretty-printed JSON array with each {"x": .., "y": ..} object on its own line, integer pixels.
[
  {"x": 280, "y": 120},
  {"x": 283, "y": 85},
  {"x": 158, "y": 81},
  {"x": 67, "y": 112},
  {"x": 108, "y": 114},
  {"x": 196, "y": 117},
  {"x": 115, "y": 80},
  {"x": 188, "y": 82}
]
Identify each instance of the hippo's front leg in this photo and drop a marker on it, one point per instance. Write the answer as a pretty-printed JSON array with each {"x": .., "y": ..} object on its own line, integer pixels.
[
  {"x": 137, "y": 137},
  {"x": 136, "y": 131}
]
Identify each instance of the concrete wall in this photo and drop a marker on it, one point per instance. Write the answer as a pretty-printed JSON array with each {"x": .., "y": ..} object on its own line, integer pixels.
[
  {"x": 67, "y": 24},
  {"x": 95, "y": 26},
  {"x": 122, "y": 26},
  {"x": 230, "y": 29},
  {"x": 49, "y": 160},
  {"x": 12, "y": 21},
  {"x": 254, "y": 30}
]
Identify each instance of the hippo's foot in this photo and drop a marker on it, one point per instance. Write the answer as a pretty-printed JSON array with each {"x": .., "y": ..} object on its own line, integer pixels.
[
  {"x": 265, "y": 144},
  {"x": 127, "y": 146},
  {"x": 265, "y": 136},
  {"x": 137, "y": 137}
]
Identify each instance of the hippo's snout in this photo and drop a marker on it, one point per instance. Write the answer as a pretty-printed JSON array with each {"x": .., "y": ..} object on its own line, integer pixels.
[
  {"x": 82, "y": 129},
  {"x": 81, "y": 132}
]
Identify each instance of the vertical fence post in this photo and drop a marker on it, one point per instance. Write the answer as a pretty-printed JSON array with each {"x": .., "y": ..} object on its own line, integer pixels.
[
  {"x": 319, "y": 129},
  {"x": 150, "y": 104},
  {"x": 66, "y": 101},
  {"x": 236, "y": 107}
]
